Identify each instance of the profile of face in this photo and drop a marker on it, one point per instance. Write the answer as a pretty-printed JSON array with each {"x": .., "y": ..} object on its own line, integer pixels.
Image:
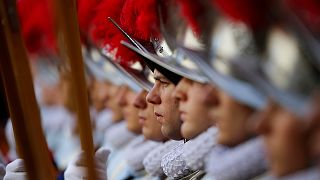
[
  {"x": 285, "y": 139},
  {"x": 151, "y": 128},
  {"x": 130, "y": 112},
  {"x": 99, "y": 94},
  {"x": 113, "y": 102},
  {"x": 166, "y": 108},
  {"x": 196, "y": 103},
  {"x": 231, "y": 120}
]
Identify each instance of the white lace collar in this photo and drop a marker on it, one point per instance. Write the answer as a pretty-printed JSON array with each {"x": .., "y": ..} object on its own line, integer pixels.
[
  {"x": 173, "y": 164},
  {"x": 245, "y": 161},
  {"x": 311, "y": 173},
  {"x": 118, "y": 135},
  {"x": 195, "y": 150},
  {"x": 152, "y": 162},
  {"x": 137, "y": 151}
]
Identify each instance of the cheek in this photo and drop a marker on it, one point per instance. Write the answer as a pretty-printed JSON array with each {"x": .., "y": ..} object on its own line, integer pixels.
[
  {"x": 151, "y": 116},
  {"x": 289, "y": 132},
  {"x": 225, "y": 118},
  {"x": 133, "y": 113},
  {"x": 201, "y": 104},
  {"x": 170, "y": 105},
  {"x": 232, "y": 121},
  {"x": 154, "y": 126},
  {"x": 196, "y": 111}
]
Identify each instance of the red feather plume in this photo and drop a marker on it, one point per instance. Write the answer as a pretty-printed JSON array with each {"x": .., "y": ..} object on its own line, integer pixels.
[
  {"x": 254, "y": 13},
  {"x": 100, "y": 25},
  {"x": 192, "y": 11},
  {"x": 86, "y": 10},
  {"x": 140, "y": 19},
  {"x": 106, "y": 35},
  {"x": 37, "y": 25},
  {"x": 123, "y": 55}
]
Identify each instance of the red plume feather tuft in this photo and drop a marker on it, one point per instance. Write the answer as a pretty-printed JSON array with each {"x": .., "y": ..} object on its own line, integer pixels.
[
  {"x": 123, "y": 56},
  {"x": 37, "y": 25},
  {"x": 105, "y": 34},
  {"x": 192, "y": 11},
  {"x": 148, "y": 21},
  {"x": 140, "y": 19},
  {"x": 254, "y": 13},
  {"x": 128, "y": 16},
  {"x": 86, "y": 13},
  {"x": 101, "y": 26}
]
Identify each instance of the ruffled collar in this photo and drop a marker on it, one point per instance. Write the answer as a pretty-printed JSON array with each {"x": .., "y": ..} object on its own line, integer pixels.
[
  {"x": 139, "y": 148},
  {"x": 173, "y": 164},
  {"x": 245, "y": 161},
  {"x": 195, "y": 150},
  {"x": 152, "y": 162}
]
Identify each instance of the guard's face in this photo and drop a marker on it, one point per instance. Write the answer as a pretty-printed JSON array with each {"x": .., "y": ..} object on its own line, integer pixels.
[
  {"x": 130, "y": 112},
  {"x": 231, "y": 118},
  {"x": 166, "y": 108},
  {"x": 151, "y": 128},
  {"x": 113, "y": 103},
  {"x": 99, "y": 94},
  {"x": 196, "y": 102},
  {"x": 285, "y": 139}
]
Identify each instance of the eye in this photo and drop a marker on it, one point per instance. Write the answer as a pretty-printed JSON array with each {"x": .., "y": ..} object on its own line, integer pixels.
[{"x": 164, "y": 83}]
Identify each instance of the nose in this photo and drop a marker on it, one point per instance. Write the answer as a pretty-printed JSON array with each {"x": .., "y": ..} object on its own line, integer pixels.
[
  {"x": 180, "y": 92},
  {"x": 153, "y": 96},
  {"x": 140, "y": 101}
]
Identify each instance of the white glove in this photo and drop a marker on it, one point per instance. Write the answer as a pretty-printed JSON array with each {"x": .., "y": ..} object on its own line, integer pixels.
[
  {"x": 16, "y": 170},
  {"x": 77, "y": 169}
]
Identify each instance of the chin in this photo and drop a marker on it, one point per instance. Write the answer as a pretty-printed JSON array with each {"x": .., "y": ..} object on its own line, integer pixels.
[
  {"x": 148, "y": 137},
  {"x": 225, "y": 140},
  {"x": 188, "y": 134},
  {"x": 189, "y": 131},
  {"x": 147, "y": 134}
]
